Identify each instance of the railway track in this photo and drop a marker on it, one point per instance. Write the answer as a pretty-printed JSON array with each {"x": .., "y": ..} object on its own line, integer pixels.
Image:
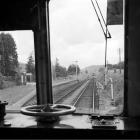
[
  {"x": 82, "y": 95},
  {"x": 66, "y": 93},
  {"x": 58, "y": 95},
  {"x": 85, "y": 102}
]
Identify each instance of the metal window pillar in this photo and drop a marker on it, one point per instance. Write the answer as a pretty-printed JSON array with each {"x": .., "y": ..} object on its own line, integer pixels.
[
  {"x": 42, "y": 54},
  {"x": 105, "y": 32},
  {"x": 106, "y": 56}
]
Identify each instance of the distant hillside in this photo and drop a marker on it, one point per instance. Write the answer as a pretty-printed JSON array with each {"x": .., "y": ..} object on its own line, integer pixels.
[{"x": 92, "y": 69}]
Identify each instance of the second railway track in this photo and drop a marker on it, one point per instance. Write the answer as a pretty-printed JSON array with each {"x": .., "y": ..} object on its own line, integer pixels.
[
  {"x": 81, "y": 95},
  {"x": 60, "y": 94}
]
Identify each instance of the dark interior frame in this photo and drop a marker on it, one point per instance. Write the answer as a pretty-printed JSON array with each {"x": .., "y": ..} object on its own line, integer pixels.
[{"x": 31, "y": 15}]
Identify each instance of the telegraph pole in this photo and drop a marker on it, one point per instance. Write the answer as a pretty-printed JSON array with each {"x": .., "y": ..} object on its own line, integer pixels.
[
  {"x": 56, "y": 62},
  {"x": 53, "y": 71},
  {"x": 106, "y": 34},
  {"x": 0, "y": 62},
  {"x": 106, "y": 56},
  {"x": 2, "y": 59},
  {"x": 76, "y": 70},
  {"x": 120, "y": 58}
]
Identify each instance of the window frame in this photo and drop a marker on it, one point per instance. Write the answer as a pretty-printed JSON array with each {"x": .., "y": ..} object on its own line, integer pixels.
[
  {"x": 42, "y": 54},
  {"x": 40, "y": 30},
  {"x": 125, "y": 21}
]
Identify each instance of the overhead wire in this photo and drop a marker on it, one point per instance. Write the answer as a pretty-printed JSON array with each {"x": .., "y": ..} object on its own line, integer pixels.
[
  {"x": 103, "y": 19},
  {"x": 98, "y": 19}
]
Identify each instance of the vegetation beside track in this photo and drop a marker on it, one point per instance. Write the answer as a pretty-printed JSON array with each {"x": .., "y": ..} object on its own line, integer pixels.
[{"x": 106, "y": 104}]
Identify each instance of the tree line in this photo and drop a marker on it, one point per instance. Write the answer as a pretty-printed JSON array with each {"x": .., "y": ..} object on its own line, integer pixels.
[
  {"x": 60, "y": 71},
  {"x": 120, "y": 65},
  {"x": 57, "y": 69},
  {"x": 9, "y": 65}
]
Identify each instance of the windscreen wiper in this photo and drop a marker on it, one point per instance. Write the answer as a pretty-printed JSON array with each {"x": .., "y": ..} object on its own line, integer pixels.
[{"x": 103, "y": 122}]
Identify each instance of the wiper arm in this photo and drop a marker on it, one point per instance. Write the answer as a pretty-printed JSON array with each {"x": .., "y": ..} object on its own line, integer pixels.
[{"x": 103, "y": 122}]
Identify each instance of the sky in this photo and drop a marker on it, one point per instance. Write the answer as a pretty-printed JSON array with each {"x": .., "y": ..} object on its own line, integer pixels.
[{"x": 76, "y": 35}]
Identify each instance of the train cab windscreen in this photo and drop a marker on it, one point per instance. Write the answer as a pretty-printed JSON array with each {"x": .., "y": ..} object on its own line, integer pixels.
[
  {"x": 87, "y": 54},
  {"x": 87, "y": 58}
]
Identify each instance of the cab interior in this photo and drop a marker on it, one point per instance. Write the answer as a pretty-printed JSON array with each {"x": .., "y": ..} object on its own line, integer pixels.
[{"x": 32, "y": 15}]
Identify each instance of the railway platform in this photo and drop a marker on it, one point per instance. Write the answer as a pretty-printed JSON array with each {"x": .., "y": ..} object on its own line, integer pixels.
[{"x": 17, "y": 105}]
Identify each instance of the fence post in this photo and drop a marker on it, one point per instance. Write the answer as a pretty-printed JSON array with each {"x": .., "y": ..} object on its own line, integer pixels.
[{"x": 112, "y": 93}]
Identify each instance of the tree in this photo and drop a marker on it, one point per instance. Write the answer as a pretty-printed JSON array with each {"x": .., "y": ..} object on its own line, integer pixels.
[
  {"x": 72, "y": 69},
  {"x": 8, "y": 55},
  {"x": 121, "y": 65},
  {"x": 30, "y": 66},
  {"x": 116, "y": 66},
  {"x": 109, "y": 66},
  {"x": 102, "y": 70},
  {"x": 60, "y": 70}
]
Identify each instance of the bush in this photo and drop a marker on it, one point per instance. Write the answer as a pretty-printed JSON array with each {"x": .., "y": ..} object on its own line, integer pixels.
[
  {"x": 1, "y": 84},
  {"x": 1, "y": 81},
  {"x": 18, "y": 79},
  {"x": 6, "y": 82}
]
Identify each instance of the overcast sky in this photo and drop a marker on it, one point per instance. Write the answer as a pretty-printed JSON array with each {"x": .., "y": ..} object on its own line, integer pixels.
[{"x": 75, "y": 35}]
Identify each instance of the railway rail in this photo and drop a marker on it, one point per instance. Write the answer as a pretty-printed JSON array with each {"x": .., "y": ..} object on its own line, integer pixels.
[
  {"x": 84, "y": 103},
  {"x": 82, "y": 95},
  {"x": 86, "y": 100},
  {"x": 60, "y": 97},
  {"x": 64, "y": 91}
]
